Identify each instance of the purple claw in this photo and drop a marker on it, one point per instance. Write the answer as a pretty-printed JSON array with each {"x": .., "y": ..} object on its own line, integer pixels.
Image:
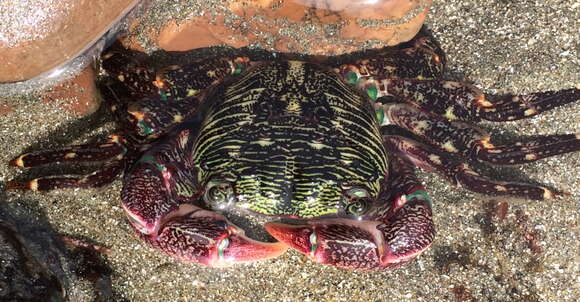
[
  {"x": 182, "y": 230},
  {"x": 207, "y": 238},
  {"x": 366, "y": 245}
]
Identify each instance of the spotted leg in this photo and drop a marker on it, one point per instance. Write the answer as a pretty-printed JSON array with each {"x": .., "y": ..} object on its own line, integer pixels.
[
  {"x": 469, "y": 141},
  {"x": 117, "y": 154},
  {"x": 111, "y": 152},
  {"x": 130, "y": 69},
  {"x": 180, "y": 81},
  {"x": 395, "y": 235},
  {"x": 413, "y": 74},
  {"x": 457, "y": 100},
  {"x": 165, "y": 97},
  {"x": 439, "y": 105},
  {"x": 420, "y": 58},
  {"x": 163, "y": 203},
  {"x": 457, "y": 171}
]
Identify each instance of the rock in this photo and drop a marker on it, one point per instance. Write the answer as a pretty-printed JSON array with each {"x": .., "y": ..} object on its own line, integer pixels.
[
  {"x": 36, "y": 265},
  {"x": 38, "y": 35},
  {"x": 56, "y": 39},
  {"x": 311, "y": 27},
  {"x": 5, "y": 109},
  {"x": 77, "y": 95},
  {"x": 34, "y": 261}
]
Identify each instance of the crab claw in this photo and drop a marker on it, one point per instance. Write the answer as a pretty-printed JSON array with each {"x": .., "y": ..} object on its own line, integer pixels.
[
  {"x": 207, "y": 238},
  {"x": 181, "y": 229},
  {"x": 360, "y": 244}
]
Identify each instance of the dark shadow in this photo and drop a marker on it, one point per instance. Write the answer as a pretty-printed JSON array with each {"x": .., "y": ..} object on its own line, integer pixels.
[
  {"x": 74, "y": 130},
  {"x": 38, "y": 263}
]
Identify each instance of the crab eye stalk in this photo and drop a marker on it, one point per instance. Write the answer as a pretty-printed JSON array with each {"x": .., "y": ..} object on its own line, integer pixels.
[
  {"x": 357, "y": 201},
  {"x": 219, "y": 194}
]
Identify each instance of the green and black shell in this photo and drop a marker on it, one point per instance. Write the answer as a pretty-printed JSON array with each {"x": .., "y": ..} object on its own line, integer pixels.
[{"x": 290, "y": 139}]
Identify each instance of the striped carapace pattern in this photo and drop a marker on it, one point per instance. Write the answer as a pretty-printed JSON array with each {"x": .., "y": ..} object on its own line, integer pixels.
[{"x": 294, "y": 137}]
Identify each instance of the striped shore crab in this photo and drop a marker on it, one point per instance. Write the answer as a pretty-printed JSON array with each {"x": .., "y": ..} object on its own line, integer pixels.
[{"x": 326, "y": 151}]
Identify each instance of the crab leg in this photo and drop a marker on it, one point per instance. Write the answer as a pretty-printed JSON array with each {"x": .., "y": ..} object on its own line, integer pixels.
[
  {"x": 457, "y": 100},
  {"x": 134, "y": 78},
  {"x": 420, "y": 58},
  {"x": 515, "y": 107},
  {"x": 469, "y": 141},
  {"x": 153, "y": 116},
  {"x": 398, "y": 235},
  {"x": 530, "y": 149},
  {"x": 79, "y": 153},
  {"x": 452, "y": 100},
  {"x": 181, "y": 81},
  {"x": 130, "y": 80},
  {"x": 172, "y": 82},
  {"x": 98, "y": 178},
  {"x": 113, "y": 151},
  {"x": 167, "y": 96},
  {"x": 393, "y": 72},
  {"x": 458, "y": 172}
]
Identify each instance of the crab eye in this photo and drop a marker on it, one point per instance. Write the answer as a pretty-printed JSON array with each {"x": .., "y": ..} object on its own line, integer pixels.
[
  {"x": 219, "y": 194},
  {"x": 357, "y": 201},
  {"x": 358, "y": 207}
]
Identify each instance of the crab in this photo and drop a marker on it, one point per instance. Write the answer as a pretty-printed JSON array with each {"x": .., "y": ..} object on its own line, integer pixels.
[{"x": 325, "y": 151}]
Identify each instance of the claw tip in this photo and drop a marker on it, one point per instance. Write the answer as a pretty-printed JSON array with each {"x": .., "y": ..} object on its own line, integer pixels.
[
  {"x": 298, "y": 237},
  {"x": 242, "y": 249}
]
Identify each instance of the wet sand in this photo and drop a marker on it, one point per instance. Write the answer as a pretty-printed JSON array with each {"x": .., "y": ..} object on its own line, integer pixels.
[{"x": 502, "y": 47}]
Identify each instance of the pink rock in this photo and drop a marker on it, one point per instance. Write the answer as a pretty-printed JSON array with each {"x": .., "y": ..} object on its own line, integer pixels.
[
  {"x": 77, "y": 95},
  {"x": 305, "y": 26},
  {"x": 5, "y": 109},
  {"x": 39, "y": 35}
]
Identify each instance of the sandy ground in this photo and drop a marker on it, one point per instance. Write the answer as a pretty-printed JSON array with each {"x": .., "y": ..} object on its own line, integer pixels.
[{"x": 502, "y": 46}]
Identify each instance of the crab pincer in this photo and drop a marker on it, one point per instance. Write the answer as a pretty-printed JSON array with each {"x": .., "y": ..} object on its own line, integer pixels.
[
  {"x": 207, "y": 238},
  {"x": 158, "y": 198},
  {"x": 366, "y": 245}
]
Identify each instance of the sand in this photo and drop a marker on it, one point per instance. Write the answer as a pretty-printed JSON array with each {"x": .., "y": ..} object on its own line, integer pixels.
[{"x": 501, "y": 46}]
